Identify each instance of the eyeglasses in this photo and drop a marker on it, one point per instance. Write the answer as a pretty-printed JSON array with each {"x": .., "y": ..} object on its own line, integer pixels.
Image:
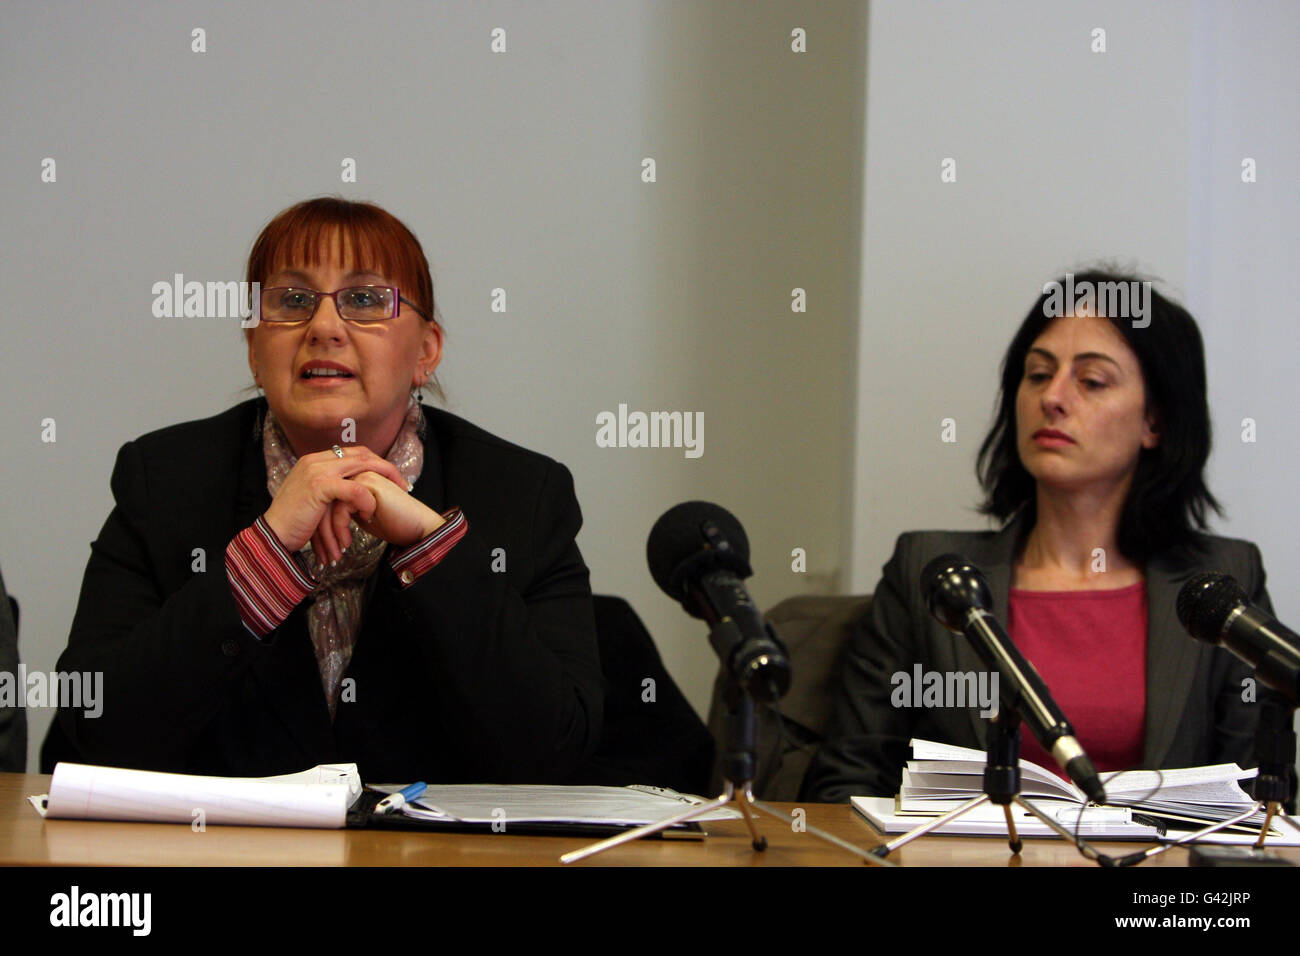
[{"x": 362, "y": 303}]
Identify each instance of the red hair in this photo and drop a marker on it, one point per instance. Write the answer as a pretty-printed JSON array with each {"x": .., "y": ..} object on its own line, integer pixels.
[{"x": 359, "y": 233}]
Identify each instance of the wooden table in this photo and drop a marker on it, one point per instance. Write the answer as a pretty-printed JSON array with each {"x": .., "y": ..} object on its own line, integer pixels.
[{"x": 28, "y": 840}]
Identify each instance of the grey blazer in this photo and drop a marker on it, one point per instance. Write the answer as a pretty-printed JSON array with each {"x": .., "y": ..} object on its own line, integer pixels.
[
  {"x": 1195, "y": 713},
  {"x": 13, "y": 720}
]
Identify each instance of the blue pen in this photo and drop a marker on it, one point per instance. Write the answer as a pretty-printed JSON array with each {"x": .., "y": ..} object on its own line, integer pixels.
[{"x": 395, "y": 801}]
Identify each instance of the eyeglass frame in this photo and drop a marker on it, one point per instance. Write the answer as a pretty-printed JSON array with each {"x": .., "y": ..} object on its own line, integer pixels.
[{"x": 322, "y": 295}]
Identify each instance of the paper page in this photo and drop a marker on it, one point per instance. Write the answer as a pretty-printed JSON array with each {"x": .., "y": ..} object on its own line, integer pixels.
[
  {"x": 1060, "y": 810},
  {"x": 1213, "y": 784},
  {"x": 319, "y": 797},
  {"x": 989, "y": 821},
  {"x": 933, "y": 750},
  {"x": 938, "y": 769},
  {"x": 489, "y": 803},
  {"x": 951, "y": 756},
  {"x": 964, "y": 786},
  {"x": 337, "y": 773},
  {"x": 975, "y": 770},
  {"x": 1284, "y": 838}
]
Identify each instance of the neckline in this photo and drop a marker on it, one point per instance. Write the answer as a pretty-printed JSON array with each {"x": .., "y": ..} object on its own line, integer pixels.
[{"x": 1082, "y": 592}]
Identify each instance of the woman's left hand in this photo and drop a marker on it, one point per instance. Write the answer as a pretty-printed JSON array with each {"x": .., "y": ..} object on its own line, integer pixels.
[{"x": 400, "y": 518}]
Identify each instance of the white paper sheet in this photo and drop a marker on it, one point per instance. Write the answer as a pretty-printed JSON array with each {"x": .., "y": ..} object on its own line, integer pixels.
[{"x": 318, "y": 797}]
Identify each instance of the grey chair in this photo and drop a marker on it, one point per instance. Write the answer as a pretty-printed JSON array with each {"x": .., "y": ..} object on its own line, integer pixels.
[{"x": 815, "y": 630}]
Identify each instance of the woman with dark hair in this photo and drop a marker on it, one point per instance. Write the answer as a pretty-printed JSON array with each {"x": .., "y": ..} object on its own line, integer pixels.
[
  {"x": 382, "y": 582},
  {"x": 1094, "y": 466}
]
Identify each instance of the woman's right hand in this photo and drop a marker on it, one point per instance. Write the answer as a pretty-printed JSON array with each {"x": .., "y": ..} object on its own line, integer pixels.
[{"x": 303, "y": 509}]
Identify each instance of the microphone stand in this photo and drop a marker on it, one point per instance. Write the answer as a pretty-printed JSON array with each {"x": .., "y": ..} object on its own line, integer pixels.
[
  {"x": 739, "y": 764},
  {"x": 1001, "y": 788},
  {"x": 1275, "y": 785}
]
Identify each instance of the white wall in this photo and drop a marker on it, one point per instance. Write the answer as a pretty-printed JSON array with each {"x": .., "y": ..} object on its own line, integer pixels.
[{"x": 1242, "y": 252}]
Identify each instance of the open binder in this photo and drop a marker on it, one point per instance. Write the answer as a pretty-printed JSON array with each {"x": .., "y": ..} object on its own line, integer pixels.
[{"x": 362, "y": 815}]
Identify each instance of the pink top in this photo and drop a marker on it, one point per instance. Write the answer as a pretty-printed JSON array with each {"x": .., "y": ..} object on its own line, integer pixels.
[{"x": 1090, "y": 649}]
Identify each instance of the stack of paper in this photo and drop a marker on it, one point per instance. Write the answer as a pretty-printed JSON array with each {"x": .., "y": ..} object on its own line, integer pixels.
[
  {"x": 318, "y": 797},
  {"x": 1141, "y": 804},
  {"x": 941, "y": 776}
]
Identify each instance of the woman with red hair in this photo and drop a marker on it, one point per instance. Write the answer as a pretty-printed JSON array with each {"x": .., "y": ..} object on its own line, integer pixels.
[{"x": 397, "y": 587}]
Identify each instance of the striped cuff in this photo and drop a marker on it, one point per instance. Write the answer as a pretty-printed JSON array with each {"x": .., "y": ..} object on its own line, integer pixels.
[
  {"x": 410, "y": 563},
  {"x": 264, "y": 577}
]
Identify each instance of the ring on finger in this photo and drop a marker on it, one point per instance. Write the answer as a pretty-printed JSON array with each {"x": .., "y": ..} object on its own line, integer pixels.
[{"x": 338, "y": 452}]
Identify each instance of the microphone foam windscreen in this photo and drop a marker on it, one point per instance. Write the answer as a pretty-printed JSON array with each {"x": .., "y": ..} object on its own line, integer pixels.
[
  {"x": 936, "y": 568},
  {"x": 1205, "y": 602},
  {"x": 677, "y": 546},
  {"x": 952, "y": 586}
]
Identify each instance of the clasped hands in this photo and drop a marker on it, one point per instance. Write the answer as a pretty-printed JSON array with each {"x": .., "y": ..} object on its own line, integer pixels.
[{"x": 323, "y": 493}]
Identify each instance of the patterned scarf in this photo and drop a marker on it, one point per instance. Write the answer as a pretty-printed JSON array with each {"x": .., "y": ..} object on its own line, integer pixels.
[{"x": 334, "y": 616}]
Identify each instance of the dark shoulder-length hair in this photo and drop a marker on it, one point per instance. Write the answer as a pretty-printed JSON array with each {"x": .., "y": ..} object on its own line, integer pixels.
[{"x": 1168, "y": 501}]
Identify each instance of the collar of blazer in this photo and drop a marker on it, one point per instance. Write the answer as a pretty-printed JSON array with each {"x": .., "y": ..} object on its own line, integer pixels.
[{"x": 1171, "y": 656}]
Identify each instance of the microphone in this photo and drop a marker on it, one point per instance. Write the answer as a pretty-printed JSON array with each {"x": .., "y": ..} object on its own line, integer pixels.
[
  {"x": 1214, "y": 608},
  {"x": 698, "y": 555},
  {"x": 959, "y": 598}
]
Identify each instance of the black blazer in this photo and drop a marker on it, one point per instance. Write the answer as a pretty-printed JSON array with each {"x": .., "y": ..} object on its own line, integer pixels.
[
  {"x": 1194, "y": 709},
  {"x": 469, "y": 675}
]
